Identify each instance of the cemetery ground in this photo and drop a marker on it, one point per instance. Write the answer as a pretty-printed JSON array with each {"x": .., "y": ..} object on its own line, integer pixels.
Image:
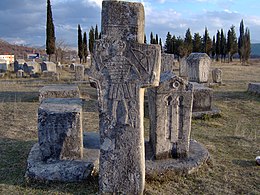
[{"x": 233, "y": 139}]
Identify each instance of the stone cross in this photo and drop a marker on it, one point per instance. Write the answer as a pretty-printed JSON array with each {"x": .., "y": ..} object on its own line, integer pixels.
[{"x": 122, "y": 67}]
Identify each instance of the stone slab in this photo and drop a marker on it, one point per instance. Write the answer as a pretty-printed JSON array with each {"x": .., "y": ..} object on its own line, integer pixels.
[
  {"x": 214, "y": 112},
  {"x": 254, "y": 88},
  {"x": 198, "y": 156},
  {"x": 59, "y": 91}
]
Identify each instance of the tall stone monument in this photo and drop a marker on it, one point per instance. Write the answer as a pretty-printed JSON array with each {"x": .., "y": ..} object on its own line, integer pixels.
[{"x": 122, "y": 66}]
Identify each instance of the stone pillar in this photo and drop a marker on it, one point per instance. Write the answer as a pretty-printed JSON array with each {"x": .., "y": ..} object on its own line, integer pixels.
[
  {"x": 170, "y": 111},
  {"x": 79, "y": 72},
  {"x": 217, "y": 75},
  {"x": 60, "y": 129},
  {"x": 122, "y": 66}
]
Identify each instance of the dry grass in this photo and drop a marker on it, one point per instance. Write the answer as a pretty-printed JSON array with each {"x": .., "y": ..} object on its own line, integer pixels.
[{"x": 233, "y": 139}]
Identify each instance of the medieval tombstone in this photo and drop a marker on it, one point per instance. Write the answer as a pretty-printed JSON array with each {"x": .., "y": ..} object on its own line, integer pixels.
[
  {"x": 217, "y": 75},
  {"x": 198, "y": 66},
  {"x": 20, "y": 73},
  {"x": 59, "y": 91},
  {"x": 168, "y": 62},
  {"x": 79, "y": 72},
  {"x": 170, "y": 111},
  {"x": 254, "y": 88},
  {"x": 122, "y": 66},
  {"x": 48, "y": 67},
  {"x": 183, "y": 71}
]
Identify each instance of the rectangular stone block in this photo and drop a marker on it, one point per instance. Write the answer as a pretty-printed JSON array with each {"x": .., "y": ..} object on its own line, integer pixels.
[
  {"x": 254, "y": 88},
  {"x": 79, "y": 72},
  {"x": 202, "y": 98},
  {"x": 60, "y": 129},
  {"x": 217, "y": 75},
  {"x": 59, "y": 91}
]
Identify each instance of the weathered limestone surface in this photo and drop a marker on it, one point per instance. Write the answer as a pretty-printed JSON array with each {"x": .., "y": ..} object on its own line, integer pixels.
[
  {"x": 198, "y": 66},
  {"x": 48, "y": 66},
  {"x": 168, "y": 62},
  {"x": 202, "y": 98},
  {"x": 59, "y": 91},
  {"x": 60, "y": 129},
  {"x": 79, "y": 72},
  {"x": 183, "y": 71},
  {"x": 122, "y": 66},
  {"x": 254, "y": 88},
  {"x": 170, "y": 111},
  {"x": 217, "y": 75}
]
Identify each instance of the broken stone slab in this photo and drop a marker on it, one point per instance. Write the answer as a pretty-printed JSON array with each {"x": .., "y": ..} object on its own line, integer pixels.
[
  {"x": 198, "y": 66},
  {"x": 60, "y": 129},
  {"x": 58, "y": 170},
  {"x": 254, "y": 88},
  {"x": 170, "y": 112},
  {"x": 59, "y": 91}
]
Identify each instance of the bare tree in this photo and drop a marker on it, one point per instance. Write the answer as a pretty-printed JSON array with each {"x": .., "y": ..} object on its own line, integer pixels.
[{"x": 61, "y": 50}]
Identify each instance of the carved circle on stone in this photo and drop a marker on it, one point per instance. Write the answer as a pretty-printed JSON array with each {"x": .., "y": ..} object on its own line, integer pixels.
[{"x": 175, "y": 85}]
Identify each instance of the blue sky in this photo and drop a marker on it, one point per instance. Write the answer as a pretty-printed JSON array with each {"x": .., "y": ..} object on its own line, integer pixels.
[{"x": 23, "y": 21}]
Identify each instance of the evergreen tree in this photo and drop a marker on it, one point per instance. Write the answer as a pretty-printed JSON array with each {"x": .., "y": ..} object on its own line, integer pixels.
[
  {"x": 85, "y": 47},
  {"x": 160, "y": 43},
  {"x": 223, "y": 45},
  {"x": 151, "y": 38},
  {"x": 80, "y": 44},
  {"x": 231, "y": 43},
  {"x": 207, "y": 43},
  {"x": 188, "y": 42},
  {"x": 168, "y": 43},
  {"x": 218, "y": 46},
  {"x": 99, "y": 36},
  {"x": 145, "y": 41},
  {"x": 213, "y": 51},
  {"x": 156, "y": 39},
  {"x": 247, "y": 46},
  {"x": 241, "y": 41},
  {"x": 50, "y": 32},
  {"x": 174, "y": 48},
  {"x": 96, "y": 32},
  {"x": 91, "y": 39},
  {"x": 181, "y": 50},
  {"x": 197, "y": 43}
]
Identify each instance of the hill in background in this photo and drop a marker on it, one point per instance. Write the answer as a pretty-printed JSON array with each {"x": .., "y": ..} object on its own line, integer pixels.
[{"x": 255, "y": 50}]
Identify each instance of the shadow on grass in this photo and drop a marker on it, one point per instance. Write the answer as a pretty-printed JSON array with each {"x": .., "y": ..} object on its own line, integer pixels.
[
  {"x": 244, "y": 163},
  {"x": 19, "y": 96},
  {"x": 235, "y": 95},
  {"x": 13, "y": 163}
]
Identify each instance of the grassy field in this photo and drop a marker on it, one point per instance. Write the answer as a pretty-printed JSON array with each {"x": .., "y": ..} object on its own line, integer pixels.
[{"x": 233, "y": 139}]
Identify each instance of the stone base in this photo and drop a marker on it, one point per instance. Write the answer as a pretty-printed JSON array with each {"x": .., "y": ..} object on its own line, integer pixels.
[
  {"x": 65, "y": 170},
  {"x": 210, "y": 113},
  {"x": 198, "y": 156}
]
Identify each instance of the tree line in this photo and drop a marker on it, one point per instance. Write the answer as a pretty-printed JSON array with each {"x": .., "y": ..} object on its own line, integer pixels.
[{"x": 221, "y": 47}]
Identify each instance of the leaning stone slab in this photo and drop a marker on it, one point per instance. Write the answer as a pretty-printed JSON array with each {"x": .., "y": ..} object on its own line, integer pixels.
[
  {"x": 254, "y": 88},
  {"x": 60, "y": 134},
  {"x": 59, "y": 91}
]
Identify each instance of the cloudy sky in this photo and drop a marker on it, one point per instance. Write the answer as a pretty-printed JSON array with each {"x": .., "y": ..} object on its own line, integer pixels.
[{"x": 23, "y": 21}]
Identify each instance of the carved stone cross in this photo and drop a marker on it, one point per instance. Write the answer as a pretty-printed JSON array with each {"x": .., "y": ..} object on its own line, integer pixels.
[{"x": 122, "y": 67}]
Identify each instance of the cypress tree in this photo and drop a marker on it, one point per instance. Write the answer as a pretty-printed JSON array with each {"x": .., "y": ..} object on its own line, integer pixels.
[
  {"x": 231, "y": 43},
  {"x": 96, "y": 32},
  {"x": 80, "y": 44},
  {"x": 174, "y": 45},
  {"x": 168, "y": 43},
  {"x": 218, "y": 46},
  {"x": 85, "y": 47},
  {"x": 213, "y": 51},
  {"x": 188, "y": 42},
  {"x": 151, "y": 38},
  {"x": 241, "y": 41},
  {"x": 160, "y": 43},
  {"x": 223, "y": 45},
  {"x": 145, "y": 41},
  {"x": 91, "y": 38},
  {"x": 197, "y": 43},
  {"x": 156, "y": 39},
  {"x": 207, "y": 43},
  {"x": 247, "y": 46},
  {"x": 50, "y": 32}
]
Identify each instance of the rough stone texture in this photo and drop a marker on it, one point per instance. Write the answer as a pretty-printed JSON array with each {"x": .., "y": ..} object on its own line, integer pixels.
[
  {"x": 170, "y": 106},
  {"x": 58, "y": 170},
  {"x": 202, "y": 98},
  {"x": 48, "y": 66},
  {"x": 79, "y": 72},
  {"x": 59, "y": 91},
  {"x": 198, "y": 156},
  {"x": 32, "y": 67},
  {"x": 217, "y": 75},
  {"x": 168, "y": 62},
  {"x": 60, "y": 129},
  {"x": 254, "y": 88},
  {"x": 183, "y": 71},
  {"x": 122, "y": 66},
  {"x": 198, "y": 66}
]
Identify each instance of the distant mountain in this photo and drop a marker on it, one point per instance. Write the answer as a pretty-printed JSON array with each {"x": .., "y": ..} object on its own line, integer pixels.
[
  {"x": 255, "y": 49},
  {"x": 18, "y": 50}
]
